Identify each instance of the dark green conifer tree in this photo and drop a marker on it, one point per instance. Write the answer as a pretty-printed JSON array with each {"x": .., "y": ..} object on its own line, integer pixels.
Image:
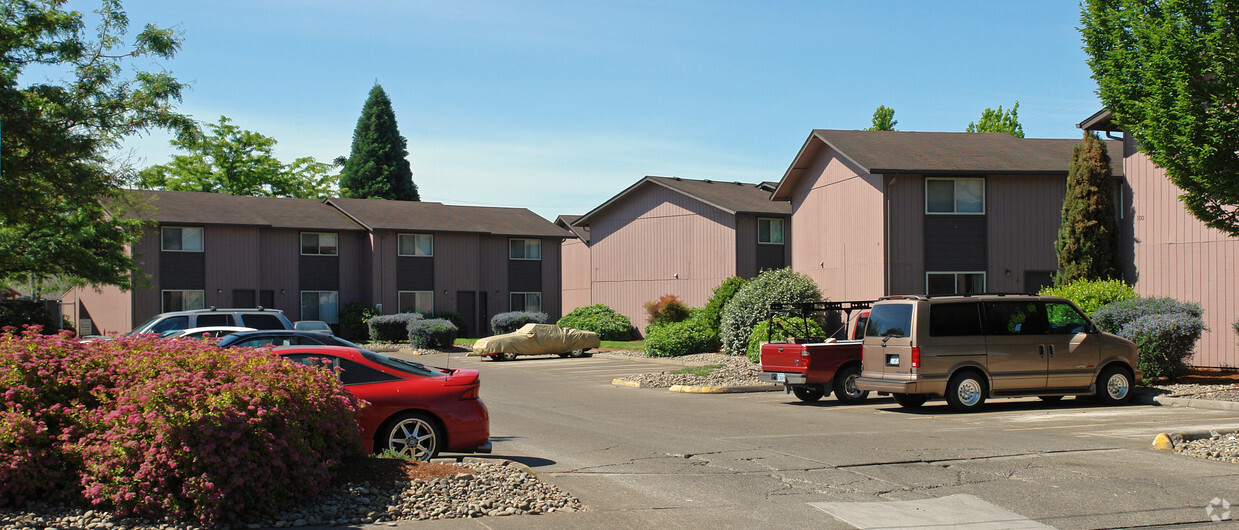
[
  {"x": 1087, "y": 244},
  {"x": 377, "y": 166}
]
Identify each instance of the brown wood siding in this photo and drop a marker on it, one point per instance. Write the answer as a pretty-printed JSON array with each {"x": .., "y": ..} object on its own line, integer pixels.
[
  {"x": 905, "y": 208},
  {"x": 231, "y": 255},
  {"x": 746, "y": 246},
  {"x": 415, "y": 273},
  {"x": 1176, "y": 255},
  {"x": 552, "y": 286},
  {"x": 108, "y": 308},
  {"x": 145, "y": 302},
  {"x": 659, "y": 242},
  {"x": 837, "y": 229},
  {"x": 281, "y": 252},
  {"x": 574, "y": 275},
  {"x": 1023, "y": 214},
  {"x": 353, "y": 249},
  {"x": 525, "y": 276},
  {"x": 493, "y": 274},
  {"x": 319, "y": 273},
  {"x": 182, "y": 270},
  {"x": 456, "y": 268}
]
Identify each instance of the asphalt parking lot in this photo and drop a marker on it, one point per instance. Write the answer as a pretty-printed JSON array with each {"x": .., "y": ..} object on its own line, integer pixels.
[{"x": 649, "y": 457}]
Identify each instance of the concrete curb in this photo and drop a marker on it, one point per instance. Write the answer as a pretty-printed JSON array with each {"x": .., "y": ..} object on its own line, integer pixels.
[
  {"x": 1147, "y": 397},
  {"x": 629, "y": 384},
  {"x": 1167, "y": 441},
  {"x": 687, "y": 389}
]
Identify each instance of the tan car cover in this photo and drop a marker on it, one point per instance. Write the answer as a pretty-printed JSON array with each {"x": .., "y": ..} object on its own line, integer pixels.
[{"x": 537, "y": 339}]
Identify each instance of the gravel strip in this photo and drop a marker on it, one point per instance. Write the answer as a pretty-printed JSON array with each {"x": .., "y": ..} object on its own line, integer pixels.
[
  {"x": 1218, "y": 446},
  {"x": 733, "y": 371},
  {"x": 494, "y": 489},
  {"x": 1197, "y": 391}
]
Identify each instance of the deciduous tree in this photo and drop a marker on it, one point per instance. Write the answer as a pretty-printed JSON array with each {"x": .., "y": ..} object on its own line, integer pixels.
[
  {"x": 883, "y": 119},
  {"x": 1087, "y": 244},
  {"x": 58, "y": 128},
  {"x": 377, "y": 166},
  {"x": 999, "y": 121},
  {"x": 231, "y": 160},
  {"x": 1168, "y": 70}
]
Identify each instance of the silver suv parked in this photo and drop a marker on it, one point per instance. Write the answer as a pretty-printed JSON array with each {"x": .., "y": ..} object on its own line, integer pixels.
[
  {"x": 968, "y": 348},
  {"x": 257, "y": 318}
]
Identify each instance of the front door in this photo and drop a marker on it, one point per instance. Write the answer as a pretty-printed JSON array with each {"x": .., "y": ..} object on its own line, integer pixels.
[
  {"x": 1073, "y": 352},
  {"x": 466, "y": 307}
]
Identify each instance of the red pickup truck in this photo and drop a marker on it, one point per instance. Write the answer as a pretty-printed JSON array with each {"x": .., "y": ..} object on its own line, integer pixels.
[{"x": 813, "y": 366}]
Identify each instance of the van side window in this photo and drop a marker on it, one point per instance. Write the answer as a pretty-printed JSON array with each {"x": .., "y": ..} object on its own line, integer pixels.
[
  {"x": 259, "y": 321},
  {"x": 955, "y": 320},
  {"x": 893, "y": 320},
  {"x": 1065, "y": 319},
  {"x": 1015, "y": 318}
]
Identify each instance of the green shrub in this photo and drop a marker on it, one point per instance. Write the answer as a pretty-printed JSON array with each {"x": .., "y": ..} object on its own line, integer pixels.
[
  {"x": 752, "y": 302},
  {"x": 433, "y": 333},
  {"x": 667, "y": 309},
  {"x": 391, "y": 328},
  {"x": 514, "y": 320},
  {"x": 24, "y": 312},
  {"x": 455, "y": 318},
  {"x": 784, "y": 327},
  {"x": 713, "y": 310},
  {"x": 1113, "y": 317},
  {"x": 680, "y": 338},
  {"x": 1165, "y": 341},
  {"x": 1091, "y": 295},
  {"x": 600, "y": 319},
  {"x": 150, "y": 427},
  {"x": 353, "y": 317}
]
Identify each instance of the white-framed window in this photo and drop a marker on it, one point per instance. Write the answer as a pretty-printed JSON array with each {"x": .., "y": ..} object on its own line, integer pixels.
[
  {"x": 770, "y": 231},
  {"x": 181, "y": 239},
  {"x": 179, "y": 300},
  {"x": 964, "y": 282},
  {"x": 321, "y": 305},
  {"x": 415, "y": 245},
  {"x": 416, "y": 302},
  {"x": 531, "y": 302},
  {"x": 319, "y": 244},
  {"x": 530, "y": 249},
  {"x": 954, "y": 195}
]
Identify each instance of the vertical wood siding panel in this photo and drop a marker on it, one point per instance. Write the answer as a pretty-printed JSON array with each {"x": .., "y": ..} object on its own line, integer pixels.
[
  {"x": 457, "y": 267},
  {"x": 281, "y": 252},
  {"x": 575, "y": 274},
  {"x": 232, "y": 257},
  {"x": 907, "y": 244},
  {"x": 1176, "y": 255},
  {"x": 552, "y": 286},
  {"x": 1023, "y": 213},
  {"x": 146, "y": 302},
  {"x": 640, "y": 245}
]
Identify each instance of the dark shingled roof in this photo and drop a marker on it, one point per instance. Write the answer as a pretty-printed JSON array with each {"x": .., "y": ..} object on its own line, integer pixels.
[
  {"x": 199, "y": 208},
  {"x": 891, "y": 152},
  {"x": 438, "y": 217},
  {"x": 566, "y": 221},
  {"x": 729, "y": 196}
]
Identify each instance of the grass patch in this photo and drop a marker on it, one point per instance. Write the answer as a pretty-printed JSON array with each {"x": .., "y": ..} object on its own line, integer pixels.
[
  {"x": 465, "y": 342},
  {"x": 389, "y": 453},
  {"x": 634, "y": 345},
  {"x": 700, "y": 371}
]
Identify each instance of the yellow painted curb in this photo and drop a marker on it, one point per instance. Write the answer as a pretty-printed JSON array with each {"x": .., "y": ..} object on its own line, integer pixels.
[
  {"x": 698, "y": 389},
  {"x": 1162, "y": 442}
]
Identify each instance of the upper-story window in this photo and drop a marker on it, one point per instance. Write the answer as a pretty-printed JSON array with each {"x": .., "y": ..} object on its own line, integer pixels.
[
  {"x": 416, "y": 245},
  {"x": 319, "y": 244},
  {"x": 770, "y": 231},
  {"x": 525, "y": 249},
  {"x": 955, "y": 195},
  {"x": 182, "y": 239}
]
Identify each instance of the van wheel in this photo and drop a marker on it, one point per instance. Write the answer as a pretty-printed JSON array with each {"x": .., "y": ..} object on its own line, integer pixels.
[
  {"x": 845, "y": 386},
  {"x": 1114, "y": 386},
  {"x": 910, "y": 401},
  {"x": 809, "y": 393},
  {"x": 966, "y": 392}
]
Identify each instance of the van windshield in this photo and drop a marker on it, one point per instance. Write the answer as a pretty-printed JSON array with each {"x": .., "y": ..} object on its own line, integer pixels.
[{"x": 889, "y": 320}]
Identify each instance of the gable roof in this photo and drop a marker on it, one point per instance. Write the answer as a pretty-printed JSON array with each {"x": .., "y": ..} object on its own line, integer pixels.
[
  {"x": 1102, "y": 120},
  {"x": 566, "y": 222},
  {"x": 203, "y": 208},
  {"x": 731, "y": 197},
  {"x": 893, "y": 152},
  {"x": 438, "y": 217}
]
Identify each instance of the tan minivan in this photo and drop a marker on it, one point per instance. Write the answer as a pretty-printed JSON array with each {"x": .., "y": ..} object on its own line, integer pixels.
[{"x": 967, "y": 348}]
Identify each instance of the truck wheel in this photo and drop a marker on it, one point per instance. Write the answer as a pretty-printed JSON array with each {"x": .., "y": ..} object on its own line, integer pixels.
[
  {"x": 910, "y": 401},
  {"x": 966, "y": 392},
  {"x": 809, "y": 393},
  {"x": 1114, "y": 386},
  {"x": 845, "y": 386}
]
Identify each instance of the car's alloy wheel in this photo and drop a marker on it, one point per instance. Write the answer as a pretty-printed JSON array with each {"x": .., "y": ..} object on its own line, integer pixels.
[
  {"x": 414, "y": 435},
  {"x": 845, "y": 386}
]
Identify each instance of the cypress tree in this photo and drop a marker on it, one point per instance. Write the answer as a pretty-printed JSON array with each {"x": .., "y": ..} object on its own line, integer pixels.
[
  {"x": 378, "y": 166},
  {"x": 1087, "y": 244}
]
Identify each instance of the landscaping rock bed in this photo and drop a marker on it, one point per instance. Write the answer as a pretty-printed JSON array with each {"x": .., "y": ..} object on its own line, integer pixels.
[
  {"x": 1218, "y": 446},
  {"x": 487, "y": 488},
  {"x": 733, "y": 371}
]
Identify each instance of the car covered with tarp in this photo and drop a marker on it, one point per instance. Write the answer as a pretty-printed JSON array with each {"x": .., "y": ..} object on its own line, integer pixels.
[{"x": 537, "y": 339}]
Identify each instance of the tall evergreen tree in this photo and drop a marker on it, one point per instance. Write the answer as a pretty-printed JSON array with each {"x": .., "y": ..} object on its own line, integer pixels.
[
  {"x": 1087, "y": 244},
  {"x": 378, "y": 166}
]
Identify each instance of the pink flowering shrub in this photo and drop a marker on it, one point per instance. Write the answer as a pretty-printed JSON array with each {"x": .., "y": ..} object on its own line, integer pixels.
[{"x": 150, "y": 427}]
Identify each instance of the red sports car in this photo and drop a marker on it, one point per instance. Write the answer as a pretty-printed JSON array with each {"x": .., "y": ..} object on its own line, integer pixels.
[{"x": 413, "y": 409}]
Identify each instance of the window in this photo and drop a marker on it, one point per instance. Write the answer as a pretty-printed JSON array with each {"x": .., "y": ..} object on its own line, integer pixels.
[
  {"x": 182, "y": 300},
  {"x": 1015, "y": 318},
  {"x": 320, "y": 305},
  {"x": 415, "y": 245},
  {"x": 889, "y": 320},
  {"x": 223, "y": 319},
  {"x": 350, "y": 372},
  {"x": 770, "y": 231},
  {"x": 964, "y": 196},
  {"x": 525, "y": 249},
  {"x": 530, "y": 302},
  {"x": 954, "y": 282},
  {"x": 181, "y": 239},
  {"x": 954, "y": 320},
  {"x": 1064, "y": 319},
  {"x": 416, "y": 302},
  {"x": 318, "y": 244}
]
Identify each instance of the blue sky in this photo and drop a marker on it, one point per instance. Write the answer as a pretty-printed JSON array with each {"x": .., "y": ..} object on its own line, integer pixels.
[{"x": 557, "y": 106}]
